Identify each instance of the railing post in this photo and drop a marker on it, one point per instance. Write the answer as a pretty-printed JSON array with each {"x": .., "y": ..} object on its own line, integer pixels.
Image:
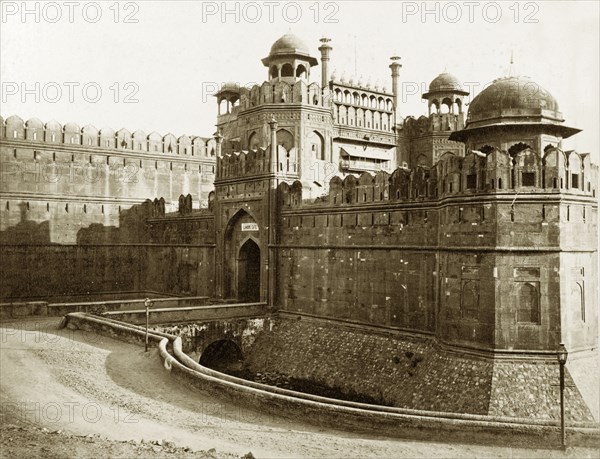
[{"x": 147, "y": 303}]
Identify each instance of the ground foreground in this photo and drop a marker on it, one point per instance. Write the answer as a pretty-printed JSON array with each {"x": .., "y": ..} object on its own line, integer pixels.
[{"x": 78, "y": 394}]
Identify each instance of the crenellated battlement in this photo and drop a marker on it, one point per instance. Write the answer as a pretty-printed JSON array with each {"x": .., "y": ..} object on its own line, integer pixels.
[
  {"x": 436, "y": 122},
  {"x": 477, "y": 173},
  {"x": 244, "y": 163},
  {"x": 257, "y": 162},
  {"x": 54, "y": 133},
  {"x": 238, "y": 98}
]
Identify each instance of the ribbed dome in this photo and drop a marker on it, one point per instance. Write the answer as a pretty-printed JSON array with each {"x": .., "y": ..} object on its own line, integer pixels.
[
  {"x": 513, "y": 104},
  {"x": 445, "y": 82},
  {"x": 510, "y": 97},
  {"x": 289, "y": 44}
]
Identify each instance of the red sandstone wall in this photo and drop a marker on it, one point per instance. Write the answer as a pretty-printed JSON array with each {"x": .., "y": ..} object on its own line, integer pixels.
[
  {"x": 45, "y": 271},
  {"x": 409, "y": 372}
]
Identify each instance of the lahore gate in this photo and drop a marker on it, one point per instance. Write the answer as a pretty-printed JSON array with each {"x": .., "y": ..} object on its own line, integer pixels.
[{"x": 429, "y": 263}]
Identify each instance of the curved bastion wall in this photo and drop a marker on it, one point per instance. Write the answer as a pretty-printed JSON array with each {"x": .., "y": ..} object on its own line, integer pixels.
[
  {"x": 490, "y": 429},
  {"x": 395, "y": 370}
]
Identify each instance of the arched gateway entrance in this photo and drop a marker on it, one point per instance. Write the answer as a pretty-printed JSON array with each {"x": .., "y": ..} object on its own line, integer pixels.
[
  {"x": 249, "y": 272},
  {"x": 242, "y": 258}
]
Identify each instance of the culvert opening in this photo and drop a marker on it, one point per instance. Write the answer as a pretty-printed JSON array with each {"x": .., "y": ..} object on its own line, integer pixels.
[{"x": 223, "y": 355}]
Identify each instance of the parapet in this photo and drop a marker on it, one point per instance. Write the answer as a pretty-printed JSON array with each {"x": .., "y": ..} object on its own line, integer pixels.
[
  {"x": 243, "y": 163},
  {"x": 477, "y": 173},
  {"x": 52, "y": 132}
]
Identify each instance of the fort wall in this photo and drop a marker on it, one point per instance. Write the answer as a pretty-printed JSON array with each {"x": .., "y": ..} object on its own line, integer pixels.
[
  {"x": 468, "y": 250},
  {"x": 49, "y": 271},
  {"x": 66, "y": 177}
]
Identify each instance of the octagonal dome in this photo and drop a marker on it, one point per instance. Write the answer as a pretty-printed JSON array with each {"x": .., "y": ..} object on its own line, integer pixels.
[
  {"x": 289, "y": 44},
  {"x": 445, "y": 83}
]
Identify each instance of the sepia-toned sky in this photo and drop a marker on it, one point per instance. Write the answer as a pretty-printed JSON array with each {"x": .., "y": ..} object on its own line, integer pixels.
[{"x": 153, "y": 65}]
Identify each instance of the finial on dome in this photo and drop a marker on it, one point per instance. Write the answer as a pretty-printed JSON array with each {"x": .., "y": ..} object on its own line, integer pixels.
[{"x": 511, "y": 66}]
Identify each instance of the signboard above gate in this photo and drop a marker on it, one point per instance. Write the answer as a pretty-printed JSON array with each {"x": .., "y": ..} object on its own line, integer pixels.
[{"x": 249, "y": 227}]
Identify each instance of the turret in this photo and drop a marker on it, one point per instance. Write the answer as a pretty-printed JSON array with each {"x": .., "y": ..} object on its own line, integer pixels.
[
  {"x": 325, "y": 49},
  {"x": 395, "y": 66},
  {"x": 289, "y": 60}
]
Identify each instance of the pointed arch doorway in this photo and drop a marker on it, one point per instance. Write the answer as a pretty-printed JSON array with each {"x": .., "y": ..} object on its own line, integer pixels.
[{"x": 248, "y": 275}]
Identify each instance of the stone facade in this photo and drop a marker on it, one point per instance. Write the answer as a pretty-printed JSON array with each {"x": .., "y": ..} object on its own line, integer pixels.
[
  {"x": 58, "y": 179},
  {"x": 473, "y": 244},
  {"x": 486, "y": 243},
  {"x": 410, "y": 372},
  {"x": 382, "y": 366}
]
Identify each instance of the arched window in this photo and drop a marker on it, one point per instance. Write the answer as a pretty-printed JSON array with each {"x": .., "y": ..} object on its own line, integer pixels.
[
  {"x": 274, "y": 72},
  {"x": 301, "y": 72},
  {"x": 285, "y": 139},
  {"x": 458, "y": 103},
  {"x": 317, "y": 145},
  {"x": 517, "y": 148},
  {"x": 287, "y": 70},
  {"x": 253, "y": 141},
  {"x": 577, "y": 297},
  {"x": 223, "y": 106},
  {"x": 486, "y": 149}
]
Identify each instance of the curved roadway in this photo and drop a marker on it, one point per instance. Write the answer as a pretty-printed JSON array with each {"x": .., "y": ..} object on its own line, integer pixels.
[{"x": 83, "y": 383}]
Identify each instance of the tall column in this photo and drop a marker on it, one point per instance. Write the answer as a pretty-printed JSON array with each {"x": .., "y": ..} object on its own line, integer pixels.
[
  {"x": 395, "y": 66},
  {"x": 325, "y": 49},
  {"x": 218, "y": 140},
  {"x": 274, "y": 156}
]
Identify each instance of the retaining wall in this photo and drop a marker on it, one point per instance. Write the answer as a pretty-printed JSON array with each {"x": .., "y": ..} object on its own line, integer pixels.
[
  {"x": 339, "y": 414},
  {"x": 412, "y": 372}
]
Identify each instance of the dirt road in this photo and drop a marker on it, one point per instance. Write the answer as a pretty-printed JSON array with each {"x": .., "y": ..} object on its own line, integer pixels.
[{"x": 70, "y": 393}]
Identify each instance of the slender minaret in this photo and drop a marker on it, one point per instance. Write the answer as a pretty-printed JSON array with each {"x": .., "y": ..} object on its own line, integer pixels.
[
  {"x": 325, "y": 48},
  {"x": 395, "y": 66},
  {"x": 274, "y": 159}
]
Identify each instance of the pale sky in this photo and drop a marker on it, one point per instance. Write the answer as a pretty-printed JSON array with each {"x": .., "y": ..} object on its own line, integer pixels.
[{"x": 169, "y": 59}]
